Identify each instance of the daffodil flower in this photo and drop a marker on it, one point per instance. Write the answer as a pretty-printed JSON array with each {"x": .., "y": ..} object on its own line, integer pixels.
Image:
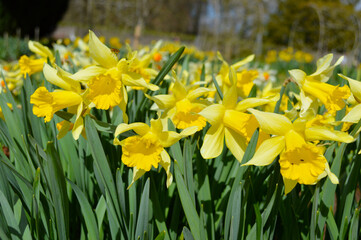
[
  {"x": 314, "y": 86},
  {"x": 223, "y": 77},
  {"x": 30, "y": 65},
  {"x": 300, "y": 160},
  {"x": 147, "y": 149},
  {"x": 183, "y": 106},
  {"x": 355, "y": 114},
  {"x": 47, "y": 103},
  {"x": 106, "y": 82},
  {"x": 229, "y": 122}
]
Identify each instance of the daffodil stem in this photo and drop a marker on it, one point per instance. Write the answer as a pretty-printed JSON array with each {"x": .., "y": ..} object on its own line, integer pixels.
[
  {"x": 217, "y": 87},
  {"x": 163, "y": 72},
  {"x": 278, "y": 104}
]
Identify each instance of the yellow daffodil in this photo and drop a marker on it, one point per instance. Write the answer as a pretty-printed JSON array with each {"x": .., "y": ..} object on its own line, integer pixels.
[
  {"x": 32, "y": 65},
  {"x": 47, "y": 103},
  {"x": 107, "y": 81},
  {"x": 223, "y": 75},
  {"x": 300, "y": 160},
  {"x": 183, "y": 105},
  {"x": 355, "y": 114},
  {"x": 229, "y": 122},
  {"x": 147, "y": 148},
  {"x": 314, "y": 86}
]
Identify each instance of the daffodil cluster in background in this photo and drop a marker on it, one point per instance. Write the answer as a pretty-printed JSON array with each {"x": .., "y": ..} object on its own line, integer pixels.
[{"x": 188, "y": 112}]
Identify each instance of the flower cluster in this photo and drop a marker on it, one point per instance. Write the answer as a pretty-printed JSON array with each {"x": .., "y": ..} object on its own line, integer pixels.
[{"x": 223, "y": 103}]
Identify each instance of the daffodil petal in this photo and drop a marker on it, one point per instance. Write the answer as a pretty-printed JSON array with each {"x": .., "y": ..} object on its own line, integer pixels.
[
  {"x": 331, "y": 175},
  {"x": 163, "y": 101},
  {"x": 267, "y": 151},
  {"x": 51, "y": 76},
  {"x": 289, "y": 185},
  {"x": 255, "y": 102},
  {"x": 235, "y": 143},
  {"x": 168, "y": 138},
  {"x": 298, "y": 75},
  {"x": 179, "y": 89},
  {"x": 192, "y": 95},
  {"x": 354, "y": 115},
  {"x": 324, "y": 133},
  {"x": 135, "y": 80},
  {"x": 137, "y": 173},
  {"x": 213, "y": 113},
  {"x": 41, "y": 50},
  {"x": 88, "y": 73},
  {"x": 79, "y": 123},
  {"x": 323, "y": 63},
  {"x": 272, "y": 123},
  {"x": 355, "y": 87},
  {"x": 101, "y": 53},
  {"x": 165, "y": 163},
  {"x": 230, "y": 98},
  {"x": 140, "y": 128},
  {"x": 213, "y": 142},
  {"x": 243, "y": 61},
  {"x": 65, "y": 125}
]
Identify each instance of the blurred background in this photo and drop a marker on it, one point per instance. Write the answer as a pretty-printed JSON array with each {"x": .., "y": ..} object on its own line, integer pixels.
[{"x": 234, "y": 27}]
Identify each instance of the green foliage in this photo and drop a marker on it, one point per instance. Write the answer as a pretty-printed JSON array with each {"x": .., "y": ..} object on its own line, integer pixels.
[{"x": 11, "y": 48}]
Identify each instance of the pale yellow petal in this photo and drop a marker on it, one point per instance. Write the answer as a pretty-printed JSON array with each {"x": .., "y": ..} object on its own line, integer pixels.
[
  {"x": 243, "y": 61},
  {"x": 168, "y": 138},
  {"x": 354, "y": 115},
  {"x": 213, "y": 142},
  {"x": 323, "y": 63},
  {"x": 88, "y": 73},
  {"x": 267, "y": 151},
  {"x": 140, "y": 128},
  {"x": 201, "y": 91},
  {"x": 51, "y": 76},
  {"x": 298, "y": 75},
  {"x": 165, "y": 163},
  {"x": 79, "y": 123},
  {"x": 137, "y": 173},
  {"x": 272, "y": 123},
  {"x": 324, "y": 133},
  {"x": 230, "y": 98},
  {"x": 179, "y": 89},
  {"x": 289, "y": 184},
  {"x": 331, "y": 175},
  {"x": 101, "y": 53},
  {"x": 135, "y": 80},
  {"x": 213, "y": 113},
  {"x": 355, "y": 87},
  {"x": 163, "y": 101},
  {"x": 65, "y": 126},
  {"x": 255, "y": 102},
  {"x": 41, "y": 50},
  {"x": 235, "y": 143}
]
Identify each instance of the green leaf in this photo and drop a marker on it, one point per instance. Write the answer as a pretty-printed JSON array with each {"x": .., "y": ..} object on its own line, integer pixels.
[
  {"x": 161, "y": 236},
  {"x": 142, "y": 222},
  {"x": 8, "y": 214},
  {"x": 158, "y": 211},
  {"x": 187, "y": 234},
  {"x": 219, "y": 91},
  {"x": 187, "y": 204},
  {"x": 57, "y": 186},
  {"x": 88, "y": 214},
  {"x": 332, "y": 226}
]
